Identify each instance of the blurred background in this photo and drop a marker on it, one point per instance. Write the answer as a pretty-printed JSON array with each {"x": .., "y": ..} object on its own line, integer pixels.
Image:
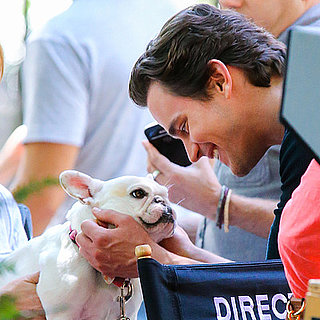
[{"x": 17, "y": 19}]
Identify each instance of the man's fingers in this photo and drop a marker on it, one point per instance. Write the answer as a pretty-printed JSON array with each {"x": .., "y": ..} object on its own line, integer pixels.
[
  {"x": 92, "y": 230},
  {"x": 108, "y": 216},
  {"x": 204, "y": 162},
  {"x": 156, "y": 159},
  {"x": 88, "y": 227},
  {"x": 33, "y": 278}
]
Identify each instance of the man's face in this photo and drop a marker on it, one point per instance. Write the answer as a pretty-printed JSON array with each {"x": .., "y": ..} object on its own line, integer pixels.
[
  {"x": 219, "y": 125},
  {"x": 270, "y": 14}
]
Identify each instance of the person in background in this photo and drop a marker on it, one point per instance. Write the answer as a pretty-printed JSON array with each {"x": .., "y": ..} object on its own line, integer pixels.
[
  {"x": 299, "y": 233},
  {"x": 251, "y": 204},
  {"x": 11, "y": 154},
  {"x": 12, "y": 233},
  {"x": 12, "y": 236},
  {"x": 75, "y": 100}
]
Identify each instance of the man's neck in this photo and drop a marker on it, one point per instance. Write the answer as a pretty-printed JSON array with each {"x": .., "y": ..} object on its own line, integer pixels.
[
  {"x": 277, "y": 132},
  {"x": 292, "y": 14}
]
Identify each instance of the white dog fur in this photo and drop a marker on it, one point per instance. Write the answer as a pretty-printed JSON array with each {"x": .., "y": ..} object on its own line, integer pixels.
[{"x": 69, "y": 288}]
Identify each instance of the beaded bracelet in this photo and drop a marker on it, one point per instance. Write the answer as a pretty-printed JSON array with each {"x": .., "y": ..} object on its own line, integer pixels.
[
  {"x": 226, "y": 212},
  {"x": 221, "y": 205}
]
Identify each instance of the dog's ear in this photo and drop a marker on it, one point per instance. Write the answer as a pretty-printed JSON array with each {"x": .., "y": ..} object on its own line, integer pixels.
[{"x": 80, "y": 186}]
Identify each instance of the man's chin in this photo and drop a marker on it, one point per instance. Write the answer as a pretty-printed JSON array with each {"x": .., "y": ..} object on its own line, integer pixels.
[
  {"x": 242, "y": 170},
  {"x": 239, "y": 167}
]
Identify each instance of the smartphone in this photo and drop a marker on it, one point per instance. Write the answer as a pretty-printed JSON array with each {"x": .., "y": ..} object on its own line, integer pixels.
[{"x": 170, "y": 147}]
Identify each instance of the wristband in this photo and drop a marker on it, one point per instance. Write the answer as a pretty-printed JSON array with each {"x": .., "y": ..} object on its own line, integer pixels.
[
  {"x": 226, "y": 212},
  {"x": 221, "y": 205}
]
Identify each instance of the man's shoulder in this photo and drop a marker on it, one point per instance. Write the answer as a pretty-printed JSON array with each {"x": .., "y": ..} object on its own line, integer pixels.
[{"x": 294, "y": 159}]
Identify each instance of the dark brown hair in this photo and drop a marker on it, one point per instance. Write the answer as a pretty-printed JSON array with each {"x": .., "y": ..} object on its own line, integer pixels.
[{"x": 178, "y": 57}]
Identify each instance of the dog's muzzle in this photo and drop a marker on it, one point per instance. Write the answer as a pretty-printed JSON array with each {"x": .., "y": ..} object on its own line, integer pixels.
[{"x": 167, "y": 214}]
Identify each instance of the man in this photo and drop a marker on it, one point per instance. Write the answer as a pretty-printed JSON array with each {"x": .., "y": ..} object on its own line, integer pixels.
[
  {"x": 214, "y": 80},
  {"x": 245, "y": 240}
]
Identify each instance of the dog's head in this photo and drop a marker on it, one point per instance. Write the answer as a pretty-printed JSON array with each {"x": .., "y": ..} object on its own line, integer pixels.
[{"x": 141, "y": 197}]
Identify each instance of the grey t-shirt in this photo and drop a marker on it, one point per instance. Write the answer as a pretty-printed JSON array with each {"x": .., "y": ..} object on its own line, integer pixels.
[
  {"x": 75, "y": 84},
  {"x": 264, "y": 182}
]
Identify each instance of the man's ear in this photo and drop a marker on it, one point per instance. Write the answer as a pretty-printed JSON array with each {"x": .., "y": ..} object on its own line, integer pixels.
[{"x": 220, "y": 79}]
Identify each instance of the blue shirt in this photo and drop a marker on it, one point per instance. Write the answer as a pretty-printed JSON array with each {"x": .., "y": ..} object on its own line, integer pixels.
[{"x": 12, "y": 233}]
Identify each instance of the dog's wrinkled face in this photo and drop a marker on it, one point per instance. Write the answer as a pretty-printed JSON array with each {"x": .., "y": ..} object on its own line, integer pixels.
[{"x": 141, "y": 197}]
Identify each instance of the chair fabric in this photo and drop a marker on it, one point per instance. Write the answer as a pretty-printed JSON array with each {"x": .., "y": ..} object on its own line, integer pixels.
[{"x": 232, "y": 291}]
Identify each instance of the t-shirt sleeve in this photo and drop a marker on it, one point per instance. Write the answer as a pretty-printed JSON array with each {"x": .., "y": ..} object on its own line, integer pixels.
[
  {"x": 295, "y": 158},
  {"x": 55, "y": 91}
]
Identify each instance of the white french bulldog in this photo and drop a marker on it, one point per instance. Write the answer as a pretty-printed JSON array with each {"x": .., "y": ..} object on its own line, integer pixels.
[{"x": 69, "y": 287}]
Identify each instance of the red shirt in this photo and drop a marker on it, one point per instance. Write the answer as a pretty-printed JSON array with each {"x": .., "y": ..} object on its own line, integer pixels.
[{"x": 299, "y": 233}]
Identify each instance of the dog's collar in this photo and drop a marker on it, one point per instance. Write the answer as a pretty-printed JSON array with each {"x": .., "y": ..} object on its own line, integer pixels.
[
  {"x": 72, "y": 235},
  {"x": 119, "y": 282}
]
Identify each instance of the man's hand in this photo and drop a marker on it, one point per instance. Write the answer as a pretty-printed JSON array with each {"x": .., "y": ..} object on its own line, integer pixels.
[
  {"x": 27, "y": 300},
  {"x": 195, "y": 187},
  {"x": 111, "y": 251}
]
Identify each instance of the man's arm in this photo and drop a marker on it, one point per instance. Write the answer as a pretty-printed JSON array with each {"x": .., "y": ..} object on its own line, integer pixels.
[
  {"x": 39, "y": 161},
  {"x": 198, "y": 189},
  {"x": 111, "y": 251}
]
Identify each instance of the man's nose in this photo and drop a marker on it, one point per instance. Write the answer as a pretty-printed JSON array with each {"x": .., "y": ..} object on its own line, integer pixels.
[{"x": 192, "y": 150}]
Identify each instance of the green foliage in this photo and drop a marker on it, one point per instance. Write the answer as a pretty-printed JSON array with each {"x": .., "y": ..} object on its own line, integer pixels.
[
  {"x": 5, "y": 267},
  {"x": 21, "y": 193},
  {"x": 8, "y": 311}
]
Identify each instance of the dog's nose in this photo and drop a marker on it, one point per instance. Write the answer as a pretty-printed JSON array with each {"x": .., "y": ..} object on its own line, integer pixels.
[
  {"x": 169, "y": 210},
  {"x": 158, "y": 200},
  {"x": 167, "y": 215}
]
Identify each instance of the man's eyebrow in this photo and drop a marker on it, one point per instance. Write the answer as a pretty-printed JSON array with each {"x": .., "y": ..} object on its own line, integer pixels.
[{"x": 172, "y": 129}]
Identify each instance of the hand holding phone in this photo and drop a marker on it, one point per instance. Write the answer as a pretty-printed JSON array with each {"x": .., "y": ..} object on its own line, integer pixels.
[{"x": 170, "y": 147}]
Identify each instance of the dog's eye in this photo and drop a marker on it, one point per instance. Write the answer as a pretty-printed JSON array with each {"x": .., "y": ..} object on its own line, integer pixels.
[{"x": 139, "y": 193}]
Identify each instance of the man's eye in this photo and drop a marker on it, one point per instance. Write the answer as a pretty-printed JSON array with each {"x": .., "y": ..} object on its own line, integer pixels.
[
  {"x": 183, "y": 127},
  {"x": 138, "y": 193}
]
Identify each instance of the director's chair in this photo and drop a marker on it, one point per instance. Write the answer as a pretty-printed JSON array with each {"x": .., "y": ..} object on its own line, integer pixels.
[{"x": 229, "y": 291}]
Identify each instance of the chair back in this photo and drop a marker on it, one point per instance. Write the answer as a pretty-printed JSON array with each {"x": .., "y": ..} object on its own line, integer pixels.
[{"x": 231, "y": 291}]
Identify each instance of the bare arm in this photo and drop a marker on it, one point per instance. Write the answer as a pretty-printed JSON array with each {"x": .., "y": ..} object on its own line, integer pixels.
[
  {"x": 198, "y": 189},
  {"x": 182, "y": 246},
  {"x": 11, "y": 154},
  {"x": 42, "y": 160}
]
